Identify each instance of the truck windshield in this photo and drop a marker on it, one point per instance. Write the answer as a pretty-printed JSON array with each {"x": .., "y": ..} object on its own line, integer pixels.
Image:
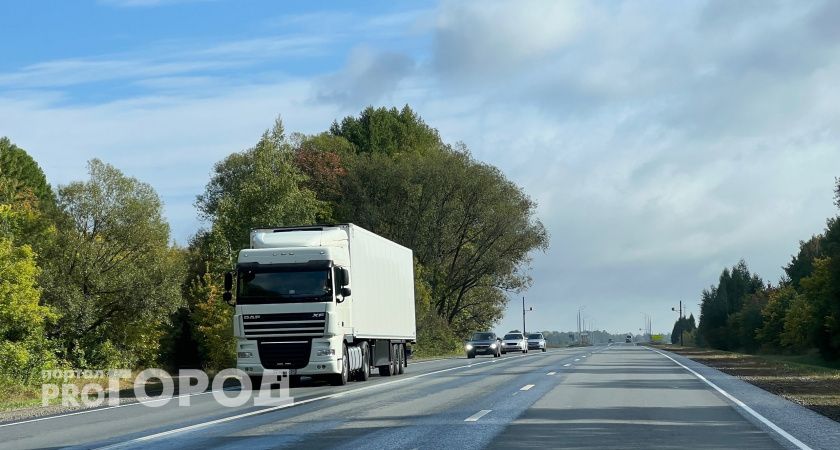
[
  {"x": 482, "y": 336},
  {"x": 288, "y": 286}
]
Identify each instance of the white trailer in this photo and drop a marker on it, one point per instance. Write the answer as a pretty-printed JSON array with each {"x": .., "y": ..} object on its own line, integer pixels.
[{"x": 323, "y": 301}]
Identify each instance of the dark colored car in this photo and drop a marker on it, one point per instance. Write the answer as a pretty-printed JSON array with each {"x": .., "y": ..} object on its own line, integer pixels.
[{"x": 483, "y": 343}]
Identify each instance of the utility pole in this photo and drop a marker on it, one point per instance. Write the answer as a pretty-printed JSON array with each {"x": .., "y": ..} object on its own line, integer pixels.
[
  {"x": 523, "y": 316},
  {"x": 681, "y": 318}
]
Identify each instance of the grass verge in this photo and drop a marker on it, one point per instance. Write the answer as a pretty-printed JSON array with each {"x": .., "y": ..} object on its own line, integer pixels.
[{"x": 804, "y": 379}]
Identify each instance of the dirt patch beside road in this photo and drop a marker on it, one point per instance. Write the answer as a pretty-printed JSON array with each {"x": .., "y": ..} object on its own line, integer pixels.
[{"x": 815, "y": 387}]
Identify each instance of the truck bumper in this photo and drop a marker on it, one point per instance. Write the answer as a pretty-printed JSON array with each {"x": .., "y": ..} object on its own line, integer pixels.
[{"x": 248, "y": 359}]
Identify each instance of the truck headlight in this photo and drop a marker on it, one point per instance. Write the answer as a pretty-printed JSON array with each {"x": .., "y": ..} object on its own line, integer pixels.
[
  {"x": 244, "y": 354},
  {"x": 325, "y": 352},
  {"x": 469, "y": 346}
]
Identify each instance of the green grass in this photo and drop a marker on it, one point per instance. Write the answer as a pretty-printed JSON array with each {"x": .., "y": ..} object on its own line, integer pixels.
[{"x": 16, "y": 396}]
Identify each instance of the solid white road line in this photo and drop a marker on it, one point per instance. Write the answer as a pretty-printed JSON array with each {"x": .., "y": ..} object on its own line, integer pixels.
[
  {"x": 478, "y": 415},
  {"x": 742, "y": 405},
  {"x": 302, "y": 402},
  {"x": 527, "y": 387}
]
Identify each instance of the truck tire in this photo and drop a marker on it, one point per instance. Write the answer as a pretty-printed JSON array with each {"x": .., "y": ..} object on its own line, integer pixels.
[
  {"x": 388, "y": 370},
  {"x": 470, "y": 355},
  {"x": 364, "y": 372},
  {"x": 256, "y": 382},
  {"x": 342, "y": 378},
  {"x": 401, "y": 359},
  {"x": 395, "y": 360}
]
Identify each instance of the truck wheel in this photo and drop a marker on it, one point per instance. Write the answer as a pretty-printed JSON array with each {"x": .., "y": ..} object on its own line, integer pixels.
[
  {"x": 470, "y": 355},
  {"x": 401, "y": 359},
  {"x": 388, "y": 370},
  {"x": 364, "y": 372},
  {"x": 395, "y": 361},
  {"x": 256, "y": 382},
  {"x": 341, "y": 378}
]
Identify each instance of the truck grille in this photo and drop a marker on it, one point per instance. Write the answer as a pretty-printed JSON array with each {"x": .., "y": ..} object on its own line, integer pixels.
[
  {"x": 284, "y": 325},
  {"x": 284, "y": 354}
]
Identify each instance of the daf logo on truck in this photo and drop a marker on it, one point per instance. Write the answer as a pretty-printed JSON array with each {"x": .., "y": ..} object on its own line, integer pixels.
[{"x": 292, "y": 287}]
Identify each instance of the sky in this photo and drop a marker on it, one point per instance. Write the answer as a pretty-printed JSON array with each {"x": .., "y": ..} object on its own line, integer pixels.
[{"x": 662, "y": 140}]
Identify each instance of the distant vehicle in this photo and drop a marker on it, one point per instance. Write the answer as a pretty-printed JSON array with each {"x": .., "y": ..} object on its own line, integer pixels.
[
  {"x": 484, "y": 343},
  {"x": 610, "y": 341},
  {"x": 514, "y": 342},
  {"x": 628, "y": 339},
  {"x": 536, "y": 341}
]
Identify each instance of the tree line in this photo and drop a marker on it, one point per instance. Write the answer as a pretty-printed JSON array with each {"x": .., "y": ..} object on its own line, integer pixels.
[
  {"x": 800, "y": 313},
  {"x": 89, "y": 277}
]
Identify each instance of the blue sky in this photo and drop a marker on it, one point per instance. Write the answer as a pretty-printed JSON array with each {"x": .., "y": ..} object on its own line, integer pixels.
[{"x": 663, "y": 140}]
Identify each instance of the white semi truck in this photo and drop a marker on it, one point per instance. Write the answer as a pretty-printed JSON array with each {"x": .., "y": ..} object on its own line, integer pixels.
[{"x": 323, "y": 301}]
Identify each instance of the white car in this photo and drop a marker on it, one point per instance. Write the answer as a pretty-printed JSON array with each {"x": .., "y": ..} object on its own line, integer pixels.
[
  {"x": 536, "y": 341},
  {"x": 514, "y": 342}
]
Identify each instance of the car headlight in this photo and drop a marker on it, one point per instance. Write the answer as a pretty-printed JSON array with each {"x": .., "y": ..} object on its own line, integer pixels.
[
  {"x": 469, "y": 346},
  {"x": 493, "y": 345},
  {"x": 244, "y": 354}
]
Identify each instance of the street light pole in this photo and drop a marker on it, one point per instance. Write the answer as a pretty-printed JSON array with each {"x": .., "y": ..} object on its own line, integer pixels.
[{"x": 523, "y": 315}]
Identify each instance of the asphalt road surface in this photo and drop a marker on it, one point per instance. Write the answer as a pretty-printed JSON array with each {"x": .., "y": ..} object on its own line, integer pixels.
[{"x": 619, "y": 396}]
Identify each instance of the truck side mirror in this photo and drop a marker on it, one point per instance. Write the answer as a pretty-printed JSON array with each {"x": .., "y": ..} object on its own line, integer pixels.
[
  {"x": 227, "y": 296},
  {"x": 345, "y": 277},
  {"x": 228, "y": 281}
]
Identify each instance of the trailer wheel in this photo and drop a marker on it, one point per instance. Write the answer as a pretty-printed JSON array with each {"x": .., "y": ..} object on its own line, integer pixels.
[
  {"x": 395, "y": 360},
  {"x": 401, "y": 359},
  {"x": 388, "y": 370},
  {"x": 341, "y": 378},
  {"x": 364, "y": 372}
]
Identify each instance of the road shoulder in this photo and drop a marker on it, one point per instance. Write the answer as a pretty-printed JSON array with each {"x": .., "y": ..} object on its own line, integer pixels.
[{"x": 813, "y": 429}]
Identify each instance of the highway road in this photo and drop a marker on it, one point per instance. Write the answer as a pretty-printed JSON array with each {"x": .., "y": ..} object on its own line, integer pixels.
[{"x": 619, "y": 396}]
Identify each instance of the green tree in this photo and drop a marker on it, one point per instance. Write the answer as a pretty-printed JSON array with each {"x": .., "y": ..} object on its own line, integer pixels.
[
  {"x": 259, "y": 187},
  {"x": 388, "y": 131},
  {"x": 17, "y": 166},
  {"x": 774, "y": 314},
  {"x": 720, "y": 302},
  {"x": 470, "y": 227},
  {"x": 802, "y": 265},
  {"x": 24, "y": 350},
  {"x": 111, "y": 272}
]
